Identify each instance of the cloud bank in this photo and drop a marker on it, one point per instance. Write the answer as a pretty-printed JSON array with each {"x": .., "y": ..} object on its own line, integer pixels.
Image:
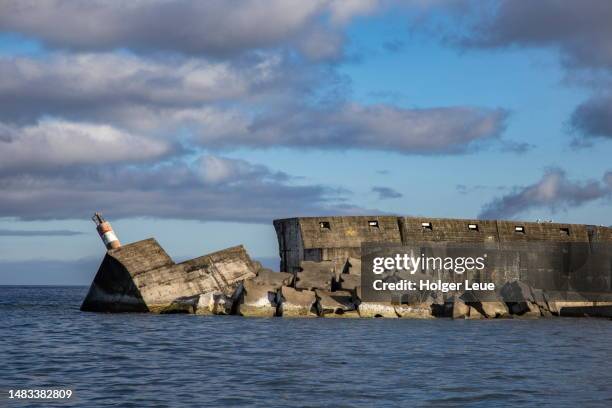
[
  {"x": 124, "y": 111},
  {"x": 554, "y": 191},
  {"x": 209, "y": 188}
]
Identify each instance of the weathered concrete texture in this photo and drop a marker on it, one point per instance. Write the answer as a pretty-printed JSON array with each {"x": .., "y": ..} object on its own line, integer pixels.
[
  {"x": 336, "y": 304},
  {"x": 520, "y": 299},
  {"x": 257, "y": 300},
  {"x": 330, "y": 238},
  {"x": 214, "y": 303},
  {"x": 338, "y": 238},
  {"x": 460, "y": 310},
  {"x": 297, "y": 303},
  {"x": 586, "y": 311},
  {"x": 344, "y": 281},
  {"x": 372, "y": 309},
  {"x": 276, "y": 279},
  {"x": 489, "y": 304},
  {"x": 315, "y": 275},
  {"x": 417, "y": 311},
  {"x": 141, "y": 277},
  {"x": 186, "y": 305},
  {"x": 352, "y": 266}
]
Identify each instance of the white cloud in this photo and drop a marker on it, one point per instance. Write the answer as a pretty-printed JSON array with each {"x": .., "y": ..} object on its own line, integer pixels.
[
  {"x": 553, "y": 191},
  {"x": 212, "y": 27},
  {"x": 53, "y": 142},
  {"x": 355, "y": 126}
]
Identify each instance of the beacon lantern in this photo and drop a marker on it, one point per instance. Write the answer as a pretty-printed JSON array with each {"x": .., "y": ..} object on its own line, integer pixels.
[{"x": 106, "y": 232}]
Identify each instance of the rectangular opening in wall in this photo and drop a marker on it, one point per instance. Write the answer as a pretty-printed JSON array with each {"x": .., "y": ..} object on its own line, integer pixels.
[
  {"x": 373, "y": 223},
  {"x": 427, "y": 226},
  {"x": 519, "y": 228},
  {"x": 324, "y": 225},
  {"x": 473, "y": 227},
  {"x": 564, "y": 231}
]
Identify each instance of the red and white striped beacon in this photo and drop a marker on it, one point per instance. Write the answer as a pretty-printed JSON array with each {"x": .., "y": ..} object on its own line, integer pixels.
[{"x": 106, "y": 232}]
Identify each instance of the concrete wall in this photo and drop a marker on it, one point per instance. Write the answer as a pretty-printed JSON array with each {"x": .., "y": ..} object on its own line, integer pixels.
[
  {"x": 291, "y": 246},
  {"x": 330, "y": 238},
  {"x": 449, "y": 230},
  {"x": 341, "y": 237}
]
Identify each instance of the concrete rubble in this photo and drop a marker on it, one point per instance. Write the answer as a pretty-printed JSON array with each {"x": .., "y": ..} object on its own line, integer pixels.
[
  {"x": 336, "y": 304},
  {"x": 259, "y": 300},
  {"x": 320, "y": 291},
  {"x": 487, "y": 304},
  {"x": 215, "y": 303},
  {"x": 141, "y": 277},
  {"x": 316, "y": 275},
  {"x": 297, "y": 303}
]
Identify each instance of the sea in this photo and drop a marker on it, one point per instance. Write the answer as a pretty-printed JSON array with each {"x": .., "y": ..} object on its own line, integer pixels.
[{"x": 142, "y": 360}]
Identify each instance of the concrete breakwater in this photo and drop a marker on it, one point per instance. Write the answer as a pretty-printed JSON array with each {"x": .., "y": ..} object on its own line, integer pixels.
[{"x": 141, "y": 276}]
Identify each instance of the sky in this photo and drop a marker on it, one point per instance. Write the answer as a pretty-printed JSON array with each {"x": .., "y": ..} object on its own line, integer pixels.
[{"x": 199, "y": 122}]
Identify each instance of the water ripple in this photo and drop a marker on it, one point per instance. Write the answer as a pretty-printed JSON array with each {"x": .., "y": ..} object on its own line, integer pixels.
[{"x": 135, "y": 360}]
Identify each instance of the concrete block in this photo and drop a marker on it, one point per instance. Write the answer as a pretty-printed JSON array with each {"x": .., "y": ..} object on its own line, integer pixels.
[
  {"x": 277, "y": 279},
  {"x": 347, "y": 282},
  {"x": 418, "y": 311},
  {"x": 487, "y": 303},
  {"x": 334, "y": 303},
  {"x": 520, "y": 299},
  {"x": 372, "y": 309},
  {"x": 315, "y": 275},
  {"x": 297, "y": 303},
  {"x": 214, "y": 303},
  {"x": 460, "y": 309},
  {"x": 257, "y": 300}
]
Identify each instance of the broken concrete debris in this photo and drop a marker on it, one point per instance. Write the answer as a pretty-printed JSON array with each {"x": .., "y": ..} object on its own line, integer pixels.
[
  {"x": 255, "y": 299},
  {"x": 297, "y": 303},
  {"x": 271, "y": 278},
  {"x": 141, "y": 277},
  {"x": 232, "y": 284},
  {"x": 335, "y": 304},
  {"x": 214, "y": 303},
  {"x": 315, "y": 275}
]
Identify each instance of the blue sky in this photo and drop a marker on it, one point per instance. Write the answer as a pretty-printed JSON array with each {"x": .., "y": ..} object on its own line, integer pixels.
[{"x": 201, "y": 139}]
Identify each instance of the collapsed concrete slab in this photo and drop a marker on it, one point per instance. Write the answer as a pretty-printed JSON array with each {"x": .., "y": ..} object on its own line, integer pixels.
[
  {"x": 141, "y": 277},
  {"x": 336, "y": 304},
  {"x": 276, "y": 279},
  {"x": 297, "y": 303},
  {"x": 255, "y": 300},
  {"x": 315, "y": 275}
]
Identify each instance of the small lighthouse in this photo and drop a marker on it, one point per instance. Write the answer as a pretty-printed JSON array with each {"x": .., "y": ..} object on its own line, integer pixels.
[{"x": 106, "y": 232}]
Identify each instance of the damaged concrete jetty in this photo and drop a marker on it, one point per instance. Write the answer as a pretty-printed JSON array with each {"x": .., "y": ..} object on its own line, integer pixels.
[
  {"x": 321, "y": 260},
  {"x": 141, "y": 277}
]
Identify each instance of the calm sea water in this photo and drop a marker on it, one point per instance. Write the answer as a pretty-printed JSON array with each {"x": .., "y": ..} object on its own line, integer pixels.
[{"x": 138, "y": 360}]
